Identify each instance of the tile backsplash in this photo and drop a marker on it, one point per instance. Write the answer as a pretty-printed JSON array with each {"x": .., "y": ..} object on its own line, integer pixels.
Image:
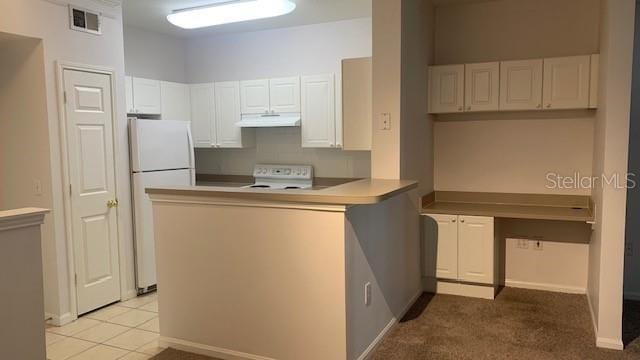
[{"x": 282, "y": 146}]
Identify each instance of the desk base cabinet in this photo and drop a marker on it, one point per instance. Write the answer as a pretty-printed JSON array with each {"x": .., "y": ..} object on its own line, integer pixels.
[{"x": 460, "y": 251}]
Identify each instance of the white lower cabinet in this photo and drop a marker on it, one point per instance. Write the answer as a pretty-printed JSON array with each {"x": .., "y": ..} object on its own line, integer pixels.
[
  {"x": 464, "y": 248},
  {"x": 475, "y": 249}
]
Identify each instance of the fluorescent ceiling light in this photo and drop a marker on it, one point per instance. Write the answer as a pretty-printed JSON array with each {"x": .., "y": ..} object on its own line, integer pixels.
[{"x": 229, "y": 12}]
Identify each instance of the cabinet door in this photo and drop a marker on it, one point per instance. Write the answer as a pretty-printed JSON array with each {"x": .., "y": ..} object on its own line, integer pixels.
[
  {"x": 566, "y": 82},
  {"x": 284, "y": 94},
  {"x": 446, "y": 89},
  {"x": 475, "y": 249},
  {"x": 318, "y": 111},
  {"x": 203, "y": 115},
  {"x": 521, "y": 85},
  {"x": 175, "y": 101},
  {"x": 228, "y": 114},
  {"x": 357, "y": 119},
  {"x": 446, "y": 247},
  {"x": 481, "y": 86},
  {"x": 128, "y": 91},
  {"x": 254, "y": 95},
  {"x": 146, "y": 96}
]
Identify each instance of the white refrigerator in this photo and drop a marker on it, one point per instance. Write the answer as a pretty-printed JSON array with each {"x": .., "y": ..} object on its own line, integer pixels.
[{"x": 161, "y": 155}]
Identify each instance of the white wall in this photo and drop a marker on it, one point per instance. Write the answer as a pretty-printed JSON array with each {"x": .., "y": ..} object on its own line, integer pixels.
[
  {"x": 282, "y": 145},
  {"x": 49, "y": 21},
  {"x": 303, "y": 50},
  {"x": 606, "y": 252},
  {"x": 498, "y": 153},
  {"x": 154, "y": 55}
]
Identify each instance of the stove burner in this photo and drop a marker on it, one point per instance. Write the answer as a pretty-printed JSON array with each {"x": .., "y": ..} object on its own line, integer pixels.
[
  {"x": 292, "y": 187},
  {"x": 260, "y": 186}
]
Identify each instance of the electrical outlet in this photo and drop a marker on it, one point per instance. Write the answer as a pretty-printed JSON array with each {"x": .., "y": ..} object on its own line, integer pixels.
[
  {"x": 537, "y": 245},
  {"x": 367, "y": 294},
  {"x": 385, "y": 121},
  {"x": 522, "y": 243}
]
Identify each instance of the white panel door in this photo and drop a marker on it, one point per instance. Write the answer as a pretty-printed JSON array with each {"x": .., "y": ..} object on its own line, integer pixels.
[
  {"x": 566, "y": 82},
  {"x": 227, "y": 94},
  {"x": 89, "y": 128},
  {"x": 521, "y": 85},
  {"x": 447, "y": 246},
  {"x": 128, "y": 91},
  {"x": 203, "y": 115},
  {"x": 475, "y": 249},
  {"x": 446, "y": 89},
  {"x": 175, "y": 101},
  {"x": 318, "y": 111},
  {"x": 482, "y": 86},
  {"x": 284, "y": 95},
  {"x": 146, "y": 96},
  {"x": 254, "y": 95}
]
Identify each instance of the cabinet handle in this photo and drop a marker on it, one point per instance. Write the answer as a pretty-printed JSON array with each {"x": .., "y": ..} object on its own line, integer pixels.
[
  {"x": 539, "y": 106},
  {"x": 460, "y": 108},
  {"x": 469, "y": 108},
  {"x": 454, "y": 220},
  {"x": 462, "y": 220},
  {"x": 548, "y": 106}
]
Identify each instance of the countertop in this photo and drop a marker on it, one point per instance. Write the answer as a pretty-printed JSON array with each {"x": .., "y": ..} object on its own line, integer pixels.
[
  {"x": 356, "y": 192},
  {"x": 517, "y": 206}
]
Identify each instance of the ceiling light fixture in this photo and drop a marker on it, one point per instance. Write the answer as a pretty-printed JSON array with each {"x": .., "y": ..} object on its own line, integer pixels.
[{"x": 229, "y": 12}]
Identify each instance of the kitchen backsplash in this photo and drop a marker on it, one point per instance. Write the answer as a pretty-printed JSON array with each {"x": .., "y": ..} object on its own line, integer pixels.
[{"x": 282, "y": 146}]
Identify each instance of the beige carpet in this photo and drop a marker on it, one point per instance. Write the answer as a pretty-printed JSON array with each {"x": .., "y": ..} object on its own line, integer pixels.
[{"x": 518, "y": 324}]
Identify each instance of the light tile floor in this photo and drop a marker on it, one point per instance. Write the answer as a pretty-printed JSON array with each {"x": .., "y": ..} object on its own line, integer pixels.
[{"x": 126, "y": 330}]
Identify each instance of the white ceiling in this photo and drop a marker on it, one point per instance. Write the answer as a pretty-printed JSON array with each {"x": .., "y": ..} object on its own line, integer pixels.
[{"x": 151, "y": 15}]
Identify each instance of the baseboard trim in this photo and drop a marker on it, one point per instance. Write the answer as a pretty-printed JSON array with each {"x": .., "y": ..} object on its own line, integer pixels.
[
  {"x": 368, "y": 352},
  {"x": 212, "y": 351},
  {"x": 606, "y": 343},
  {"x": 545, "y": 287},
  {"x": 61, "y": 320}
]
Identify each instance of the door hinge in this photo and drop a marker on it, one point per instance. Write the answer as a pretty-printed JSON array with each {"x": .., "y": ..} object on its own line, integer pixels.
[
  {"x": 70, "y": 190},
  {"x": 64, "y": 96},
  {"x": 75, "y": 278}
]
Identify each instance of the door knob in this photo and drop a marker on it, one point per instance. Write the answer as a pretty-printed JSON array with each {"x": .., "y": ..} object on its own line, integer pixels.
[{"x": 112, "y": 203}]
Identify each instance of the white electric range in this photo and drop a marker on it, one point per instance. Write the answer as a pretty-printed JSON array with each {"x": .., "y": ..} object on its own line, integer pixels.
[{"x": 282, "y": 177}]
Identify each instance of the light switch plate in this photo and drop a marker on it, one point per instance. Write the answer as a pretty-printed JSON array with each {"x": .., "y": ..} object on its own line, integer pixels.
[{"x": 385, "y": 121}]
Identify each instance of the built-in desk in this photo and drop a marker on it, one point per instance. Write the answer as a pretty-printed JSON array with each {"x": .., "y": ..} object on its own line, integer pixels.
[{"x": 505, "y": 205}]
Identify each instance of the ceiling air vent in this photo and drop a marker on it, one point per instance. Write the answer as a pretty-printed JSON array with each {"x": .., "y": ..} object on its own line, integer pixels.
[{"x": 84, "y": 20}]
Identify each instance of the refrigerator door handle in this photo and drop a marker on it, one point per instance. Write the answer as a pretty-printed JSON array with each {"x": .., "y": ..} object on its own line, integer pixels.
[{"x": 192, "y": 157}]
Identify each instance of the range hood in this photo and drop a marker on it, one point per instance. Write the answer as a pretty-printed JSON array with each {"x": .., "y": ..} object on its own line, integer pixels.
[{"x": 275, "y": 120}]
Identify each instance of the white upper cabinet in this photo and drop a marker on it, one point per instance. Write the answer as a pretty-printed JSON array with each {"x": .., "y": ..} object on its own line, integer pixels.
[
  {"x": 521, "y": 85},
  {"x": 318, "y": 111},
  {"x": 446, "y": 89},
  {"x": 284, "y": 95},
  {"x": 593, "y": 87},
  {"x": 228, "y": 113},
  {"x": 146, "y": 96},
  {"x": 175, "y": 101},
  {"x": 481, "y": 86},
  {"x": 566, "y": 82},
  {"x": 254, "y": 95},
  {"x": 476, "y": 249},
  {"x": 128, "y": 91},
  {"x": 203, "y": 115}
]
